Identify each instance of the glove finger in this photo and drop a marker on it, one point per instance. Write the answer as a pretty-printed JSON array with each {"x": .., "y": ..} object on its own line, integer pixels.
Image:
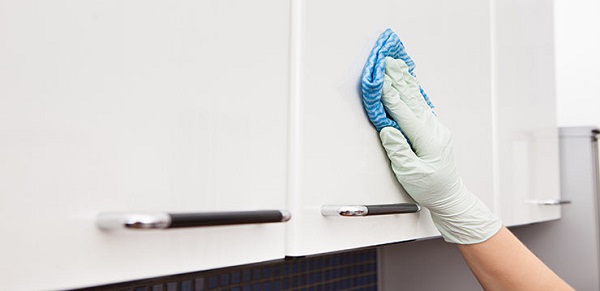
[
  {"x": 408, "y": 122},
  {"x": 407, "y": 85},
  {"x": 398, "y": 150}
]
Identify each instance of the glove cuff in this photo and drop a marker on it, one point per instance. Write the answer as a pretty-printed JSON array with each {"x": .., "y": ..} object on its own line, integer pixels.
[{"x": 475, "y": 224}]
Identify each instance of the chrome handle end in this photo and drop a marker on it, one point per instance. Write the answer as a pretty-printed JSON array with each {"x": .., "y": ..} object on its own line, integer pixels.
[
  {"x": 285, "y": 215},
  {"x": 344, "y": 210},
  {"x": 549, "y": 202},
  {"x": 144, "y": 220}
]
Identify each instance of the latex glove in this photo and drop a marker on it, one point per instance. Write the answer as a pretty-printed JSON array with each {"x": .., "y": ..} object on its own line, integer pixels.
[{"x": 426, "y": 171}]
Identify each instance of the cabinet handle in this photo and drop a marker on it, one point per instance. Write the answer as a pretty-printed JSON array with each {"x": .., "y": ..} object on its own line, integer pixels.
[
  {"x": 550, "y": 202},
  {"x": 162, "y": 220},
  {"x": 369, "y": 210}
]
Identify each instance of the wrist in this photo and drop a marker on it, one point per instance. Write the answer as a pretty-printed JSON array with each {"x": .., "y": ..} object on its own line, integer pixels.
[{"x": 467, "y": 220}]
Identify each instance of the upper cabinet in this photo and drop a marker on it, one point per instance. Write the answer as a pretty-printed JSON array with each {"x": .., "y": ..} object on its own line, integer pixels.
[
  {"x": 337, "y": 158},
  {"x": 525, "y": 109},
  {"x": 138, "y": 106}
]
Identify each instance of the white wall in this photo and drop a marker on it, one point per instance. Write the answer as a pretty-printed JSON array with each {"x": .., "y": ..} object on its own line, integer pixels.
[
  {"x": 423, "y": 266},
  {"x": 577, "y": 38}
]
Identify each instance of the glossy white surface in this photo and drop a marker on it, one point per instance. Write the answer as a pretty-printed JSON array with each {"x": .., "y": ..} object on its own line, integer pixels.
[
  {"x": 336, "y": 154},
  {"x": 577, "y": 39},
  {"x": 525, "y": 102},
  {"x": 138, "y": 106}
]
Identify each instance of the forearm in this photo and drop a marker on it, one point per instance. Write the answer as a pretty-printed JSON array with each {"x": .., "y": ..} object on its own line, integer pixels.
[{"x": 504, "y": 263}]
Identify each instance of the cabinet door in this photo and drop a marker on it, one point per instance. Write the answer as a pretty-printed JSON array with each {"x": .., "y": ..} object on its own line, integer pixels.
[
  {"x": 525, "y": 102},
  {"x": 337, "y": 157},
  {"x": 138, "y": 106}
]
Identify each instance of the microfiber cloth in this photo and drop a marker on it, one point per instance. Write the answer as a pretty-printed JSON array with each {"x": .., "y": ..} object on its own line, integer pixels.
[{"x": 388, "y": 45}]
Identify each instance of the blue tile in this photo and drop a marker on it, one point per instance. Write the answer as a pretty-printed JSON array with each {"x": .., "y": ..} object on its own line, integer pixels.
[
  {"x": 295, "y": 268},
  {"x": 266, "y": 286},
  {"x": 312, "y": 278},
  {"x": 247, "y": 288},
  {"x": 334, "y": 273},
  {"x": 213, "y": 282},
  {"x": 277, "y": 271},
  {"x": 199, "y": 284},
  {"x": 363, "y": 280},
  {"x": 285, "y": 269},
  {"x": 256, "y": 274},
  {"x": 267, "y": 272},
  {"x": 186, "y": 285},
  {"x": 157, "y": 287},
  {"x": 312, "y": 289},
  {"x": 303, "y": 280},
  {"x": 172, "y": 286},
  {"x": 286, "y": 283},
  {"x": 235, "y": 289},
  {"x": 246, "y": 275},
  {"x": 276, "y": 285},
  {"x": 256, "y": 287},
  {"x": 235, "y": 277},
  {"x": 372, "y": 278},
  {"x": 141, "y": 289},
  {"x": 312, "y": 264},
  {"x": 224, "y": 279}
]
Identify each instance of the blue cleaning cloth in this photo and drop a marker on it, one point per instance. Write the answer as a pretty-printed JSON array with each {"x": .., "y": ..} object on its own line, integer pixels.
[{"x": 388, "y": 45}]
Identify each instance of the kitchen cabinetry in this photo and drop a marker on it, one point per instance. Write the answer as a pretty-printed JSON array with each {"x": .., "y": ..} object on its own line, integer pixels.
[
  {"x": 525, "y": 109},
  {"x": 230, "y": 106},
  {"x": 138, "y": 106}
]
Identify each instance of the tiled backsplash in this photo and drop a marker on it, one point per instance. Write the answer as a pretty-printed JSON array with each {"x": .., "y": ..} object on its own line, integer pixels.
[{"x": 355, "y": 270}]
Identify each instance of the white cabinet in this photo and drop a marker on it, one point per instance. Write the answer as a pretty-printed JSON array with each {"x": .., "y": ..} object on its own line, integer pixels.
[
  {"x": 336, "y": 154},
  {"x": 525, "y": 103},
  {"x": 138, "y": 106}
]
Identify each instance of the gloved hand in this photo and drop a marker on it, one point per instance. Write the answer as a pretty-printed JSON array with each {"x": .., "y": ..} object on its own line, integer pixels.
[{"x": 425, "y": 166}]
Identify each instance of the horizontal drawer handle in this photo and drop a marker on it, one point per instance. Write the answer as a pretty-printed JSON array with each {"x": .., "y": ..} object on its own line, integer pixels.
[
  {"x": 550, "y": 202},
  {"x": 369, "y": 210},
  {"x": 162, "y": 220}
]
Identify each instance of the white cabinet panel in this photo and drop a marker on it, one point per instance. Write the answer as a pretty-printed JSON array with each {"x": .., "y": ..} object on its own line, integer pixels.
[
  {"x": 525, "y": 102},
  {"x": 336, "y": 154},
  {"x": 138, "y": 106}
]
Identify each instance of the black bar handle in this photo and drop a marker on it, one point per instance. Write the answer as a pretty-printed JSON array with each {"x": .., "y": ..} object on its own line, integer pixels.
[{"x": 163, "y": 220}]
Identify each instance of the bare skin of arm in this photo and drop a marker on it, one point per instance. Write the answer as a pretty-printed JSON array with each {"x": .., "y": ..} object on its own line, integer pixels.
[{"x": 504, "y": 263}]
